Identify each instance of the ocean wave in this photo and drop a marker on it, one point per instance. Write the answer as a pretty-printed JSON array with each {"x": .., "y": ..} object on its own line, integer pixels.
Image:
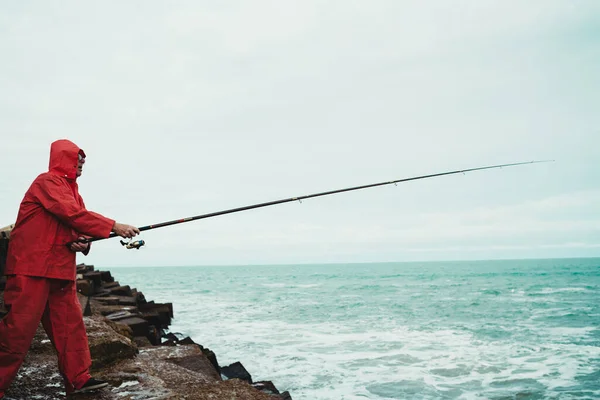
[{"x": 550, "y": 290}]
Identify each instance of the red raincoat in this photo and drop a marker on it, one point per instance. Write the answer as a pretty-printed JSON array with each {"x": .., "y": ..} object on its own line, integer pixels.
[
  {"x": 52, "y": 214},
  {"x": 41, "y": 271}
]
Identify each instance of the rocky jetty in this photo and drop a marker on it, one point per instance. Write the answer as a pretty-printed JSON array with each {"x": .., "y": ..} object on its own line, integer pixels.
[{"x": 134, "y": 351}]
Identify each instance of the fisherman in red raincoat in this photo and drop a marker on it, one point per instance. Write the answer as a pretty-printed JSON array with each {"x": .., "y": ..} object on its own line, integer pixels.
[{"x": 41, "y": 271}]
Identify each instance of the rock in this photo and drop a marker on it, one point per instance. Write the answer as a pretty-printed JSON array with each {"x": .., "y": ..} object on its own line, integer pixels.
[
  {"x": 121, "y": 291},
  {"x": 139, "y": 296},
  {"x": 82, "y": 268},
  {"x": 180, "y": 372},
  {"x": 41, "y": 344},
  {"x": 187, "y": 340},
  {"x": 193, "y": 358},
  {"x": 110, "y": 285},
  {"x": 285, "y": 396},
  {"x": 108, "y": 309},
  {"x": 142, "y": 341},
  {"x": 151, "y": 307},
  {"x": 106, "y": 276},
  {"x": 153, "y": 377},
  {"x": 121, "y": 329},
  {"x": 116, "y": 300},
  {"x": 38, "y": 378},
  {"x": 154, "y": 335},
  {"x": 236, "y": 370},
  {"x": 212, "y": 357},
  {"x": 138, "y": 325},
  {"x": 122, "y": 314},
  {"x": 100, "y": 292},
  {"x": 266, "y": 386},
  {"x": 93, "y": 276},
  {"x": 106, "y": 345},
  {"x": 159, "y": 319},
  {"x": 171, "y": 336},
  {"x": 126, "y": 300},
  {"x": 87, "y": 309},
  {"x": 85, "y": 287},
  {"x": 167, "y": 373},
  {"x": 111, "y": 301}
]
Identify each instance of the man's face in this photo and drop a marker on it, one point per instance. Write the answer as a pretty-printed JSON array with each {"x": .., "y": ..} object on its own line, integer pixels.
[{"x": 80, "y": 163}]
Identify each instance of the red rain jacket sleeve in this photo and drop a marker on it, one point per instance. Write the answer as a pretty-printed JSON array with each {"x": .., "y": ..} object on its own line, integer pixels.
[
  {"x": 89, "y": 245},
  {"x": 56, "y": 196}
]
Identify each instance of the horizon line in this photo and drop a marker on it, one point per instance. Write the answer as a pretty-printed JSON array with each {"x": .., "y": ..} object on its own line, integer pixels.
[{"x": 349, "y": 263}]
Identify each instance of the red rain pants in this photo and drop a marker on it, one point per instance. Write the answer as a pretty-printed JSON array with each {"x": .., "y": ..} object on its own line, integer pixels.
[{"x": 31, "y": 299}]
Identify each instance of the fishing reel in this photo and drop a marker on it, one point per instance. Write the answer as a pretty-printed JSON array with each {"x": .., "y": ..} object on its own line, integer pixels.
[{"x": 133, "y": 244}]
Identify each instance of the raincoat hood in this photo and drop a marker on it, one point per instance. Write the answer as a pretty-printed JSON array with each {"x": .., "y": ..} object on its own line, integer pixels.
[{"x": 64, "y": 158}]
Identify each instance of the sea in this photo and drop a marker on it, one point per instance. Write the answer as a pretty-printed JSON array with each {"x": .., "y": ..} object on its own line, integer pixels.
[{"x": 502, "y": 329}]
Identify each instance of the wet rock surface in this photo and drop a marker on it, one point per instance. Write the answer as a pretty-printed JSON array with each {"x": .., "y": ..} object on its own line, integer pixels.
[
  {"x": 132, "y": 349},
  {"x": 237, "y": 371}
]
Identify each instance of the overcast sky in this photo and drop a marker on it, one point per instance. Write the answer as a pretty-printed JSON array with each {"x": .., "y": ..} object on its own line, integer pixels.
[{"x": 190, "y": 107}]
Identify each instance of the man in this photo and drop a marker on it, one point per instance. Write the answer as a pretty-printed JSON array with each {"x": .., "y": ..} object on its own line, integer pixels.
[{"x": 41, "y": 271}]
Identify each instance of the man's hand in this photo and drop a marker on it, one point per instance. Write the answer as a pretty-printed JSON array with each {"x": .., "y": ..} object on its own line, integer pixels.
[
  {"x": 79, "y": 246},
  {"x": 124, "y": 230}
]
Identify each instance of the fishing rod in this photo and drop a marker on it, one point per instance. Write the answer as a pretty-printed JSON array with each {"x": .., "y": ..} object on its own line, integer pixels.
[{"x": 139, "y": 243}]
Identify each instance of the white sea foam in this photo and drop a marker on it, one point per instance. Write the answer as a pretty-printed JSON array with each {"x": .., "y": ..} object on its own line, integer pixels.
[
  {"x": 569, "y": 332},
  {"x": 274, "y": 285},
  {"x": 440, "y": 358},
  {"x": 549, "y": 290}
]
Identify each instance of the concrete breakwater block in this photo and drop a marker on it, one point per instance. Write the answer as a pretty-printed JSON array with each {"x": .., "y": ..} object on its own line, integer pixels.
[
  {"x": 182, "y": 372},
  {"x": 126, "y": 301},
  {"x": 285, "y": 396},
  {"x": 138, "y": 325},
  {"x": 106, "y": 310},
  {"x": 151, "y": 306},
  {"x": 85, "y": 287},
  {"x": 81, "y": 268},
  {"x": 173, "y": 340},
  {"x": 106, "y": 276},
  {"x": 108, "y": 300},
  {"x": 266, "y": 386},
  {"x": 101, "y": 292},
  {"x": 110, "y": 285},
  {"x": 139, "y": 296},
  {"x": 161, "y": 313},
  {"x": 120, "y": 290},
  {"x": 269, "y": 387},
  {"x": 93, "y": 276},
  {"x": 107, "y": 345},
  {"x": 161, "y": 320},
  {"x": 119, "y": 315},
  {"x": 236, "y": 370}
]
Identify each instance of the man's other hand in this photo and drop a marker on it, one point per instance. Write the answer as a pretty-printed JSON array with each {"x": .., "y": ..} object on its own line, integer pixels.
[
  {"x": 79, "y": 246},
  {"x": 124, "y": 230}
]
